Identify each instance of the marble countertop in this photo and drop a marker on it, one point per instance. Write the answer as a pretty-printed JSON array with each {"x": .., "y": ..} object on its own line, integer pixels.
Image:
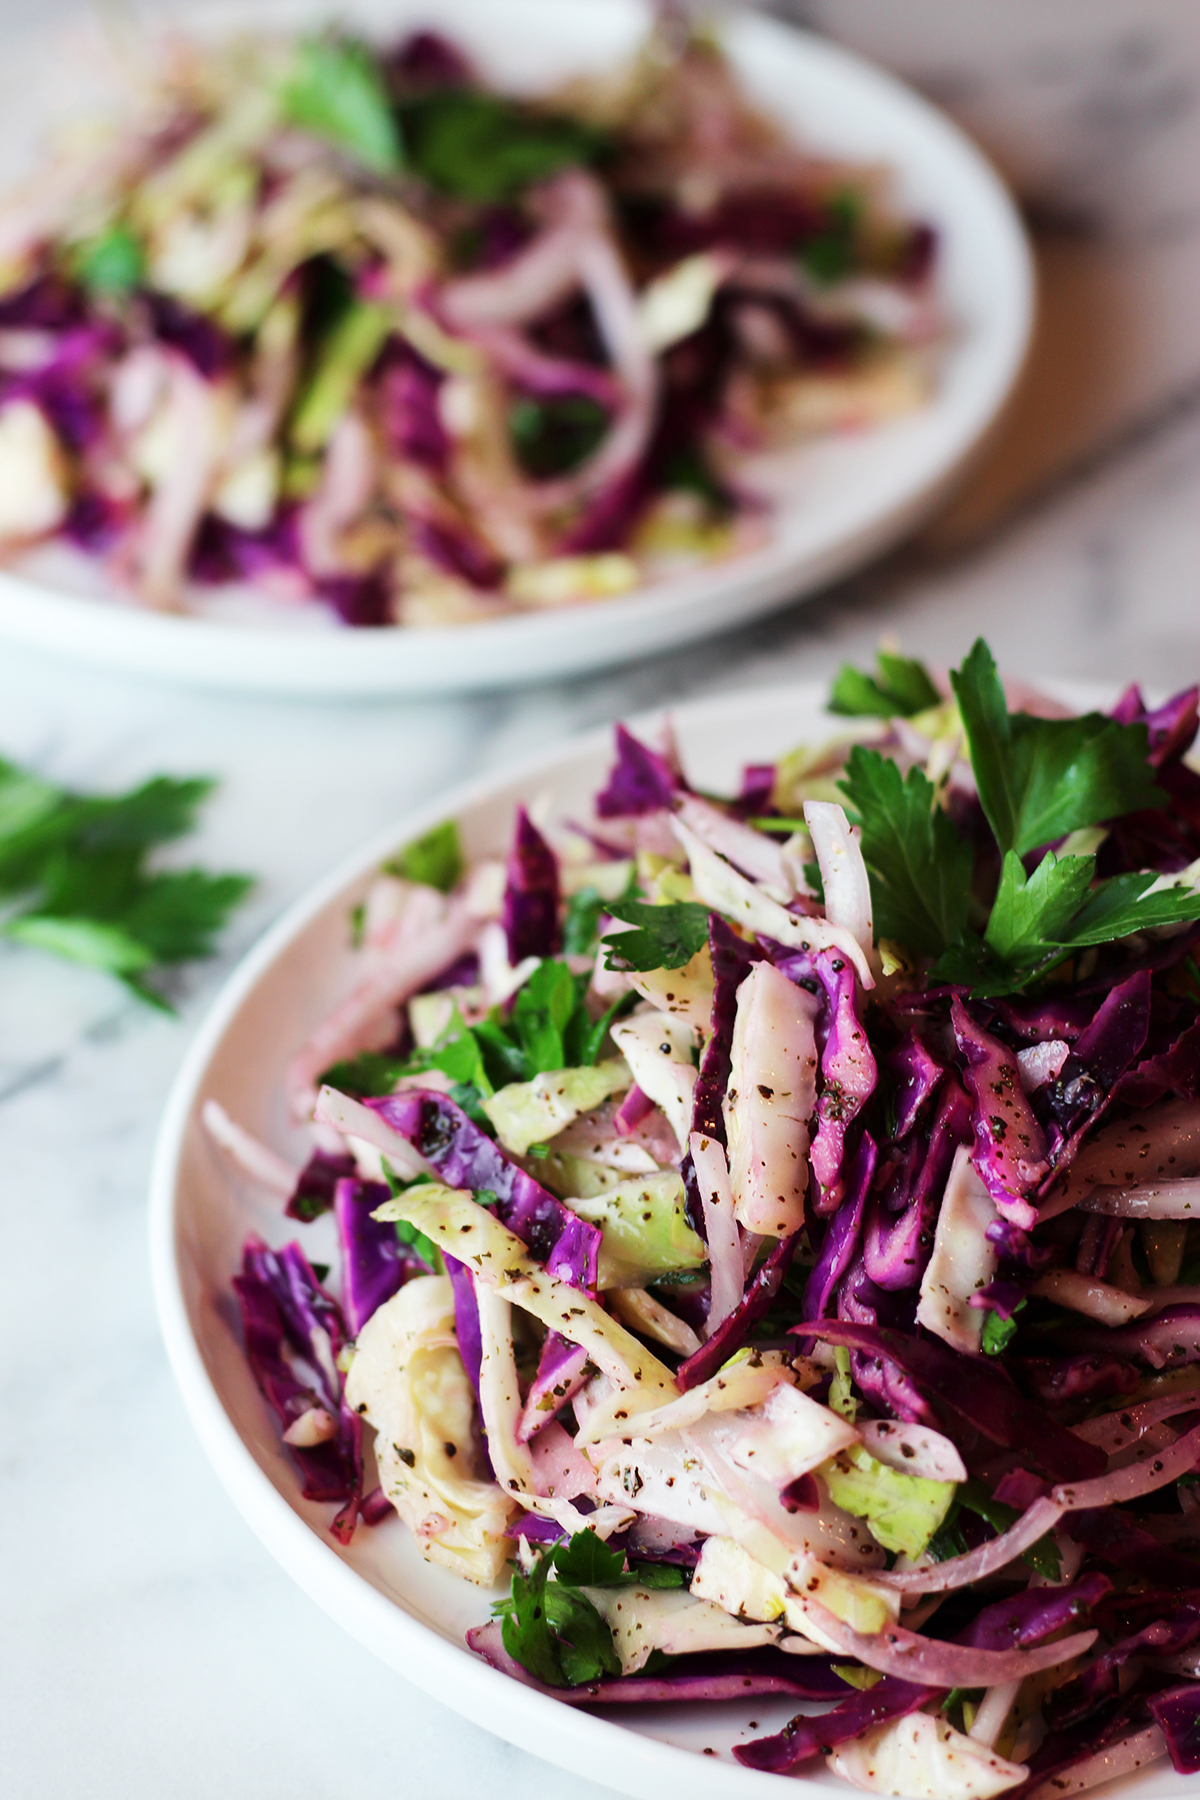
[{"x": 149, "y": 1646}]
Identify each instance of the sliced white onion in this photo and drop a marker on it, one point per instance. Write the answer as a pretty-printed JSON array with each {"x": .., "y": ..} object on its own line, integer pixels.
[
  {"x": 1093, "y": 1298},
  {"x": 719, "y": 885},
  {"x": 844, "y": 877},
  {"x": 724, "y": 1249},
  {"x": 1163, "y": 1200},
  {"x": 756, "y": 854},
  {"x": 1150, "y": 1471},
  {"x": 913, "y": 1449}
]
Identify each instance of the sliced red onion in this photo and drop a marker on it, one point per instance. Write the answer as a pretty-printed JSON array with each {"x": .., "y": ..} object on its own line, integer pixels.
[
  {"x": 911, "y": 1657},
  {"x": 1153, "y": 1146},
  {"x": 1163, "y": 1200},
  {"x": 913, "y": 1449},
  {"x": 1117, "y": 1430},
  {"x": 843, "y": 871},
  {"x": 1147, "y": 1746},
  {"x": 1156, "y": 1469},
  {"x": 633, "y": 1109},
  {"x": 976, "y": 1565}
]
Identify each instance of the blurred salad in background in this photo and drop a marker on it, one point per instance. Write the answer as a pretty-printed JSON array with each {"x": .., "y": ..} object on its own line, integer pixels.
[{"x": 349, "y": 325}]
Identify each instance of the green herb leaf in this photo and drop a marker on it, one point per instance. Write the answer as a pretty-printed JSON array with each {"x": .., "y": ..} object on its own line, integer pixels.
[
  {"x": 408, "y": 1234},
  {"x": 1038, "y": 779},
  {"x": 553, "y": 1630},
  {"x": 586, "y": 1561},
  {"x": 1038, "y": 920},
  {"x": 78, "y": 867},
  {"x": 484, "y": 147},
  {"x": 111, "y": 263},
  {"x": 581, "y": 921},
  {"x": 435, "y": 860},
  {"x": 920, "y": 868},
  {"x": 999, "y": 1333},
  {"x": 666, "y": 937},
  {"x": 901, "y": 688},
  {"x": 337, "y": 91},
  {"x": 555, "y": 436},
  {"x": 1116, "y": 908}
]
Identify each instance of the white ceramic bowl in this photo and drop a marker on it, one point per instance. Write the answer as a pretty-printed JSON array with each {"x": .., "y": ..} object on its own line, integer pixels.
[
  {"x": 842, "y": 499},
  {"x": 408, "y": 1612}
]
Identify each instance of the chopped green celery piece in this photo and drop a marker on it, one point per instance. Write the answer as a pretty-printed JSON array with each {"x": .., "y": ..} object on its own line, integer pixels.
[
  {"x": 855, "y": 1676},
  {"x": 644, "y": 1229},
  {"x": 841, "y": 1399},
  {"x": 345, "y": 356},
  {"x": 526, "y": 1113},
  {"x": 902, "y": 1511}
]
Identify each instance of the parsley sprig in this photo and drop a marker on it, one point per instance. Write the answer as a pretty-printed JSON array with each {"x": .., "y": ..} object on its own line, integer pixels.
[
  {"x": 548, "y": 1027},
  {"x": 75, "y": 873},
  {"x": 666, "y": 937},
  {"x": 900, "y": 688},
  {"x": 554, "y": 1630},
  {"x": 1038, "y": 781}
]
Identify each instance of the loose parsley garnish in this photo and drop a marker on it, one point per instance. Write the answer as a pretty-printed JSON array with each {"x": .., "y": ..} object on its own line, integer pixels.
[
  {"x": 900, "y": 688},
  {"x": 666, "y": 937},
  {"x": 75, "y": 870}
]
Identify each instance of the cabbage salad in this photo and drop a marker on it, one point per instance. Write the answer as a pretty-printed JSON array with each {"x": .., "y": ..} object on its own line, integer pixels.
[
  {"x": 348, "y": 328},
  {"x": 765, "y": 1237}
]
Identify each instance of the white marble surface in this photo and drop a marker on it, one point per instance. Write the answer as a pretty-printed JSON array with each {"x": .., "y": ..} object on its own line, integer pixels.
[{"x": 149, "y": 1646}]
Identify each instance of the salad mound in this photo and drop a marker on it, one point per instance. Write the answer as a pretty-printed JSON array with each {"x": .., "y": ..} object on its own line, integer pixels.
[
  {"x": 766, "y": 1240},
  {"x": 352, "y": 328}
]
